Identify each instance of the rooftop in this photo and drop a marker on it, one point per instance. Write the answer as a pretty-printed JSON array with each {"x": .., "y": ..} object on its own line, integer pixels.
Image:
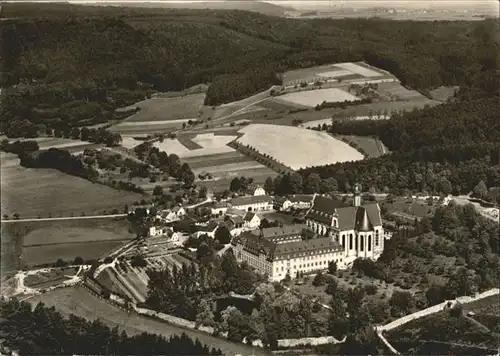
[{"x": 250, "y": 200}]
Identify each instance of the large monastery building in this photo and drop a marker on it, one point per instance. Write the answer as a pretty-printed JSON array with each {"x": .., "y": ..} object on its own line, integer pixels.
[{"x": 334, "y": 231}]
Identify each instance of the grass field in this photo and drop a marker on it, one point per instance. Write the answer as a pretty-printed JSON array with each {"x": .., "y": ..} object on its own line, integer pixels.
[
  {"x": 399, "y": 92},
  {"x": 443, "y": 93},
  {"x": 297, "y": 148},
  {"x": 162, "y": 109},
  {"x": 78, "y": 301},
  {"x": 311, "y": 98},
  {"x": 39, "y": 242},
  {"x": 37, "y": 192}
]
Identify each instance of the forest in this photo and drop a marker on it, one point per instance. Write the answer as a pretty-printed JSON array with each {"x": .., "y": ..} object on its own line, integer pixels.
[
  {"x": 67, "y": 66},
  {"x": 44, "y": 331}
]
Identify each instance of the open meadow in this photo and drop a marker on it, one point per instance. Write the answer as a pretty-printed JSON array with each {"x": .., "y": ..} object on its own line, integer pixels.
[
  {"x": 311, "y": 98},
  {"x": 41, "y": 192},
  {"x": 78, "y": 301},
  {"x": 40, "y": 242},
  {"x": 373, "y": 147},
  {"x": 297, "y": 148}
]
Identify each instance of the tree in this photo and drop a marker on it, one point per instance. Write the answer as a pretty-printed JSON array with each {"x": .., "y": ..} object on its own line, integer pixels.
[
  {"x": 480, "y": 190},
  {"x": 331, "y": 286},
  {"x": 158, "y": 190},
  {"x": 138, "y": 261},
  {"x": 401, "y": 302},
  {"x": 332, "y": 267},
  {"x": 313, "y": 183},
  {"x": 204, "y": 315},
  {"x": 235, "y": 185},
  {"x": 269, "y": 185},
  {"x": 203, "y": 192},
  {"x": 295, "y": 183},
  {"x": 78, "y": 261},
  {"x": 125, "y": 209},
  {"x": 319, "y": 280},
  {"x": 223, "y": 235}
]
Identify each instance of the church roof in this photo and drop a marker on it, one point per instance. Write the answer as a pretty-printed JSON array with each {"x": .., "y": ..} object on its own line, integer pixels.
[
  {"x": 362, "y": 221},
  {"x": 349, "y": 217}
]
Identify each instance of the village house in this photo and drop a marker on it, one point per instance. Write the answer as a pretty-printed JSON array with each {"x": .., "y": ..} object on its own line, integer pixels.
[
  {"x": 300, "y": 201},
  {"x": 282, "y": 204},
  {"x": 253, "y": 203},
  {"x": 174, "y": 214},
  {"x": 286, "y": 251},
  {"x": 255, "y": 190},
  {"x": 207, "y": 229},
  {"x": 251, "y": 220},
  {"x": 167, "y": 232},
  {"x": 357, "y": 228},
  {"x": 219, "y": 209}
]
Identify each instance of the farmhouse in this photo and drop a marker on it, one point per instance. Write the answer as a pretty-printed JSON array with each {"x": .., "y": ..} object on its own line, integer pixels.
[
  {"x": 282, "y": 203},
  {"x": 253, "y": 203},
  {"x": 282, "y": 252},
  {"x": 208, "y": 229},
  {"x": 219, "y": 208},
  {"x": 358, "y": 228},
  {"x": 251, "y": 220},
  {"x": 255, "y": 190},
  {"x": 155, "y": 231},
  {"x": 176, "y": 213},
  {"x": 301, "y": 201}
]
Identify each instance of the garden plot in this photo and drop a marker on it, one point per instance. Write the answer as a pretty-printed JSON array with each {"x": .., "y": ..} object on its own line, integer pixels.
[
  {"x": 357, "y": 69},
  {"x": 211, "y": 144},
  {"x": 297, "y": 148},
  {"x": 311, "y": 98}
]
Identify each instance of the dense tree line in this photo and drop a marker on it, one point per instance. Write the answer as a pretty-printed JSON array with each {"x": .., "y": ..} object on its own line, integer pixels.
[
  {"x": 44, "y": 331},
  {"x": 19, "y": 147},
  {"x": 61, "y": 160},
  {"x": 75, "y": 70},
  {"x": 341, "y": 104}
]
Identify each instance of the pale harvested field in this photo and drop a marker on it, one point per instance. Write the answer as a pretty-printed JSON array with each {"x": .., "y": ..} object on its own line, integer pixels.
[
  {"x": 211, "y": 144},
  {"x": 297, "y": 148},
  {"x": 335, "y": 73},
  {"x": 311, "y": 98},
  {"x": 162, "y": 109},
  {"x": 357, "y": 69},
  {"x": 45, "y": 143},
  {"x": 78, "y": 301},
  {"x": 37, "y": 192}
]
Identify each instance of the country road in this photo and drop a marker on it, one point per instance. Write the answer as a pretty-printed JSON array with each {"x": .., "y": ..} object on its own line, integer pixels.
[{"x": 65, "y": 218}]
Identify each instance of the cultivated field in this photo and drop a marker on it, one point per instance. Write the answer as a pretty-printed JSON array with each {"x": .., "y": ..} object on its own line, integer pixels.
[
  {"x": 209, "y": 143},
  {"x": 39, "y": 192},
  {"x": 339, "y": 71},
  {"x": 40, "y": 242},
  {"x": 47, "y": 279},
  {"x": 45, "y": 143},
  {"x": 311, "y": 98},
  {"x": 78, "y": 301},
  {"x": 297, "y": 148}
]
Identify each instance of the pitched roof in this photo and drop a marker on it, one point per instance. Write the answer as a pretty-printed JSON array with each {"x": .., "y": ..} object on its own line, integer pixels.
[
  {"x": 327, "y": 205},
  {"x": 301, "y": 198},
  {"x": 281, "y": 200},
  {"x": 252, "y": 187},
  {"x": 211, "y": 226},
  {"x": 249, "y": 216},
  {"x": 362, "y": 221},
  {"x": 249, "y": 200},
  {"x": 285, "y": 230},
  {"x": 236, "y": 219},
  {"x": 256, "y": 245}
]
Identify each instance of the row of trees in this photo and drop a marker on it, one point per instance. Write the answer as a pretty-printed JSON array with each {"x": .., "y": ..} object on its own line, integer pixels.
[{"x": 44, "y": 331}]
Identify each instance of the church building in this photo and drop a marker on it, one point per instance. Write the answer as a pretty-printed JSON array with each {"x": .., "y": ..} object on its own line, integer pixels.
[{"x": 357, "y": 227}]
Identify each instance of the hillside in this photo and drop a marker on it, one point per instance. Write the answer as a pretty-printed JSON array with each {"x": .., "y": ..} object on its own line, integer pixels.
[{"x": 69, "y": 65}]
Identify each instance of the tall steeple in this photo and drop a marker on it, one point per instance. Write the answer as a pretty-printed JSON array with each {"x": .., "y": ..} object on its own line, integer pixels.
[{"x": 357, "y": 195}]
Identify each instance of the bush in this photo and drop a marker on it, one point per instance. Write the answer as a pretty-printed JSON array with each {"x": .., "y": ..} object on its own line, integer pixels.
[
  {"x": 319, "y": 280},
  {"x": 371, "y": 289},
  {"x": 78, "y": 261}
]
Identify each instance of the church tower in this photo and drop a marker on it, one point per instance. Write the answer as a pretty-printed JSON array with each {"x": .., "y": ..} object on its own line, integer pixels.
[{"x": 357, "y": 195}]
